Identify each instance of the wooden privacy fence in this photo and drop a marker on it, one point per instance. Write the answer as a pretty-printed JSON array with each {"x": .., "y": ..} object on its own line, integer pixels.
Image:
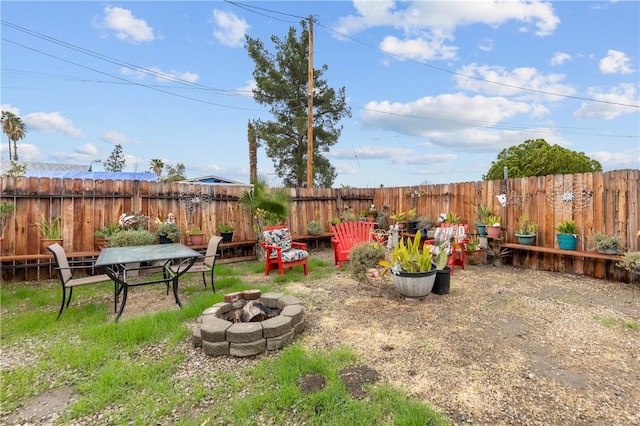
[{"x": 597, "y": 202}]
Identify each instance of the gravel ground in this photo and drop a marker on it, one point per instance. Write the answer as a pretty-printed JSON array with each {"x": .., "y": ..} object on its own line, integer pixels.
[{"x": 506, "y": 347}]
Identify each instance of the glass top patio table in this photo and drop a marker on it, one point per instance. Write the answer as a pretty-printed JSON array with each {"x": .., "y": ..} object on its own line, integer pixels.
[
  {"x": 155, "y": 252},
  {"x": 115, "y": 261}
]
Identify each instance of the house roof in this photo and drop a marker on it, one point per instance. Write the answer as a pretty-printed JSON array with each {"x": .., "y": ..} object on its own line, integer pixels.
[
  {"x": 75, "y": 171},
  {"x": 213, "y": 179}
]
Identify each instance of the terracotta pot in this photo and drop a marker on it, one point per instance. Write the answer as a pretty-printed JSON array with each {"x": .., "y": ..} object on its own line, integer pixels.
[
  {"x": 46, "y": 243},
  {"x": 195, "y": 239},
  {"x": 493, "y": 231}
]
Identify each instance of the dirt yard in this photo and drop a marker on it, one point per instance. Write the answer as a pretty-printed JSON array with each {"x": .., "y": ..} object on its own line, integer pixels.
[{"x": 505, "y": 347}]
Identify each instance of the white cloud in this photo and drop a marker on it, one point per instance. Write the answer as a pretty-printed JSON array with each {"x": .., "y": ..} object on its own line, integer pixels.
[
  {"x": 116, "y": 138},
  {"x": 418, "y": 48},
  {"x": 617, "y": 160},
  {"x": 125, "y": 25},
  {"x": 455, "y": 121},
  {"x": 12, "y": 109},
  {"x": 560, "y": 58},
  {"x": 50, "y": 122},
  {"x": 615, "y": 62},
  {"x": 486, "y": 45},
  {"x": 230, "y": 29},
  {"x": 419, "y": 15},
  {"x": 625, "y": 93},
  {"x": 511, "y": 83}
]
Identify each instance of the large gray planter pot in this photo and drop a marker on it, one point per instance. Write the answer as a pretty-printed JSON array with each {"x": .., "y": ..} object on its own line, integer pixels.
[{"x": 415, "y": 285}]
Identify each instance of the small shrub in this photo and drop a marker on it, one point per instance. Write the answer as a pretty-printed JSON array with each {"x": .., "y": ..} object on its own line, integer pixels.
[
  {"x": 363, "y": 257},
  {"x": 132, "y": 237},
  {"x": 314, "y": 228},
  {"x": 567, "y": 227}
]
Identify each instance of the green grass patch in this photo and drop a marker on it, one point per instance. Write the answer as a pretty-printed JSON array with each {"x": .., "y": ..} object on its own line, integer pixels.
[{"x": 127, "y": 370}]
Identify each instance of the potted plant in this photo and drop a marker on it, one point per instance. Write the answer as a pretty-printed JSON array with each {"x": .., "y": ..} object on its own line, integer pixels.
[
  {"x": 371, "y": 214},
  {"x": 334, "y": 221},
  {"x": 630, "y": 261},
  {"x": 50, "y": 232},
  {"x": 348, "y": 215},
  {"x": 483, "y": 211},
  {"x": 226, "y": 232},
  {"x": 493, "y": 226},
  {"x": 608, "y": 244},
  {"x": 526, "y": 230},
  {"x": 104, "y": 234},
  {"x": 195, "y": 236},
  {"x": 567, "y": 235},
  {"x": 401, "y": 219},
  {"x": 473, "y": 252},
  {"x": 412, "y": 222},
  {"x": 425, "y": 226},
  {"x": 412, "y": 267},
  {"x": 442, "y": 283},
  {"x": 314, "y": 228},
  {"x": 168, "y": 232},
  {"x": 6, "y": 209},
  {"x": 495, "y": 253}
]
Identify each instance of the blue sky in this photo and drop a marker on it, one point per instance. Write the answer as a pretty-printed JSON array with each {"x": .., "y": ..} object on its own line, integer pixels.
[{"x": 436, "y": 89}]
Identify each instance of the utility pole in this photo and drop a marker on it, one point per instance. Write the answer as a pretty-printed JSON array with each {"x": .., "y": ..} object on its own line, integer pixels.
[{"x": 310, "y": 110}]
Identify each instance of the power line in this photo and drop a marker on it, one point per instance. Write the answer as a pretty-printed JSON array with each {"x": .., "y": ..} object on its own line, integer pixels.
[{"x": 513, "y": 86}]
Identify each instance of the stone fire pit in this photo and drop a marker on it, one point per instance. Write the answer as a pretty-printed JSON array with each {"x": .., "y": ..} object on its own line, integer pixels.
[{"x": 219, "y": 331}]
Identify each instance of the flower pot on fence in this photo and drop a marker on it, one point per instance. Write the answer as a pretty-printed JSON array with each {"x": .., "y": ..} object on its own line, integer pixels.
[
  {"x": 567, "y": 241},
  {"x": 195, "y": 239},
  {"x": 164, "y": 239},
  {"x": 412, "y": 226},
  {"x": 226, "y": 237},
  {"x": 493, "y": 231},
  {"x": 525, "y": 239},
  {"x": 415, "y": 285},
  {"x": 482, "y": 229},
  {"x": 442, "y": 282},
  {"x": 44, "y": 243}
]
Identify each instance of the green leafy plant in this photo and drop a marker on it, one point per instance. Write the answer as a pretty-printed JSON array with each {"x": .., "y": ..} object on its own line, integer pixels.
[
  {"x": 483, "y": 211},
  {"x": 6, "y": 209},
  {"x": 630, "y": 261},
  {"x": 50, "y": 229},
  {"x": 334, "y": 221},
  {"x": 608, "y": 242},
  {"x": 567, "y": 227},
  {"x": 314, "y": 228},
  {"x": 494, "y": 250},
  {"x": 362, "y": 258},
  {"x": 410, "y": 256},
  {"x": 412, "y": 214},
  {"x": 452, "y": 218},
  {"x": 473, "y": 244},
  {"x": 493, "y": 220},
  {"x": 399, "y": 217},
  {"x": 169, "y": 230},
  {"x": 441, "y": 260},
  {"x": 195, "y": 231},
  {"x": 372, "y": 211},
  {"x": 348, "y": 215},
  {"x": 224, "y": 228},
  {"x": 525, "y": 226},
  {"x": 108, "y": 231},
  {"x": 132, "y": 237}
]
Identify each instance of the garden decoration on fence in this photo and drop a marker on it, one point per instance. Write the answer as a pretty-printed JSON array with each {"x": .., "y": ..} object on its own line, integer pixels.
[
  {"x": 563, "y": 198},
  {"x": 191, "y": 204}
]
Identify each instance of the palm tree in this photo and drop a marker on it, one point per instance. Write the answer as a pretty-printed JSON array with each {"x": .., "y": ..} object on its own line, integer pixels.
[
  {"x": 13, "y": 127},
  {"x": 269, "y": 206},
  {"x": 156, "y": 167}
]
